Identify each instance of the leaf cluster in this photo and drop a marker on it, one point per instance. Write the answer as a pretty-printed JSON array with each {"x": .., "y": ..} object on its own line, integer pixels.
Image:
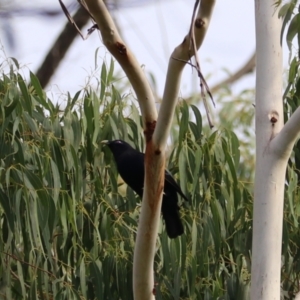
[{"x": 68, "y": 222}]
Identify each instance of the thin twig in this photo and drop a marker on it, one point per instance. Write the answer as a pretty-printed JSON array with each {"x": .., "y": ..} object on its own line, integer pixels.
[
  {"x": 247, "y": 68},
  {"x": 203, "y": 84},
  {"x": 26, "y": 263},
  {"x": 71, "y": 20}
]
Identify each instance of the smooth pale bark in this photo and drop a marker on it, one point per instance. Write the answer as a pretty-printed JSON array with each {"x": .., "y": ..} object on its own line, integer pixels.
[
  {"x": 273, "y": 147},
  {"x": 181, "y": 54}
]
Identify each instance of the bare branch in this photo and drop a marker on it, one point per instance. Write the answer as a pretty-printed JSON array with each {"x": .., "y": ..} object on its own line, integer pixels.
[
  {"x": 247, "y": 68},
  {"x": 284, "y": 141},
  {"x": 60, "y": 47},
  {"x": 69, "y": 17},
  {"x": 179, "y": 58},
  {"x": 203, "y": 85},
  {"x": 128, "y": 62}
]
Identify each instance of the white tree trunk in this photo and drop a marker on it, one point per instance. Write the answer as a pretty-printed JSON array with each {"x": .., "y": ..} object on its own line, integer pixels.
[
  {"x": 273, "y": 147},
  {"x": 270, "y": 168}
]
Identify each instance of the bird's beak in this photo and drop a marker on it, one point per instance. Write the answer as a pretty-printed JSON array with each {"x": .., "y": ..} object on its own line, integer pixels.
[{"x": 105, "y": 142}]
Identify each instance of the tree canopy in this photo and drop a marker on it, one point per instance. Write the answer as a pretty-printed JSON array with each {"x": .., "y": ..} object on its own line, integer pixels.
[{"x": 68, "y": 222}]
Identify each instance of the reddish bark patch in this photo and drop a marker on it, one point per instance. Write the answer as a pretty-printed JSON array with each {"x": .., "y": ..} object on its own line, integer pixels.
[
  {"x": 150, "y": 126},
  {"x": 157, "y": 152},
  {"x": 154, "y": 288},
  {"x": 273, "y": 116},
  {"x": 121, "y": 48},
  {"x": 156, "y": 189},
  {"x": 274, "y": 120},
  {"x": 199, "y": 23}
]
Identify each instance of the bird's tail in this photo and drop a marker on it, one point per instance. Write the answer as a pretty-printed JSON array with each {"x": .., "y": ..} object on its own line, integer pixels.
[{"x": 171, "y": 216}]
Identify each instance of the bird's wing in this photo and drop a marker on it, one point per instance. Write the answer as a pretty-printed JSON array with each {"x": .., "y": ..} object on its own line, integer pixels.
[
  {"x": 131, "y": 168},
  {"x": 169, "y": 178}
]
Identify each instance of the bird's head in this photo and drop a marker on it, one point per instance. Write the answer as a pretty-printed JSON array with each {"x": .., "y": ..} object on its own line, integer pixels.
[{"x": 117, "y": 147}]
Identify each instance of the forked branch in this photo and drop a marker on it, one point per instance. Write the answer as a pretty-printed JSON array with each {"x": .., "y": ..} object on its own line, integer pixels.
[{"x": 143, "y": 281}]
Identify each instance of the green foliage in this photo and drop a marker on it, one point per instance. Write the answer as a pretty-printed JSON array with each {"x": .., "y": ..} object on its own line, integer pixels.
[
  {"x": 68, "y": 223},
  {"x": 286, "y": 12},
  {"x": 237, "y": 114}
]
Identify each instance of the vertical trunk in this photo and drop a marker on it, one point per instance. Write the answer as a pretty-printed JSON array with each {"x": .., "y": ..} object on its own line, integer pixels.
[
  {"x": 270, "y": 162},
  {"x": 145, "y": 246}
]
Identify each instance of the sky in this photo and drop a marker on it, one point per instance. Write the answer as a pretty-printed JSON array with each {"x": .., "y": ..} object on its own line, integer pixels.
[{"x": 152, "y": 32}]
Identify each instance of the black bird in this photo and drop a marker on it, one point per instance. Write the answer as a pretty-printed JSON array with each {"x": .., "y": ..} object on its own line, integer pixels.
[{"x": 130, "y": 165}]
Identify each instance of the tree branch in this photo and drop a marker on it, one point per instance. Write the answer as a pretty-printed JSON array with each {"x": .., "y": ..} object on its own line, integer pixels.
[
  {"x": 283, "y": 142},
  {"x": 247, "y": 68},
  {"x": 128, "y": 62},
  {"x": 60, "y": 47},
  {"x": 177, "y": 62}
]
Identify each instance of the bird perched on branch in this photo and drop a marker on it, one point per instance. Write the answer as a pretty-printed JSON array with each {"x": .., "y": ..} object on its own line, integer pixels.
[{"x": 130, "y": 165}]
